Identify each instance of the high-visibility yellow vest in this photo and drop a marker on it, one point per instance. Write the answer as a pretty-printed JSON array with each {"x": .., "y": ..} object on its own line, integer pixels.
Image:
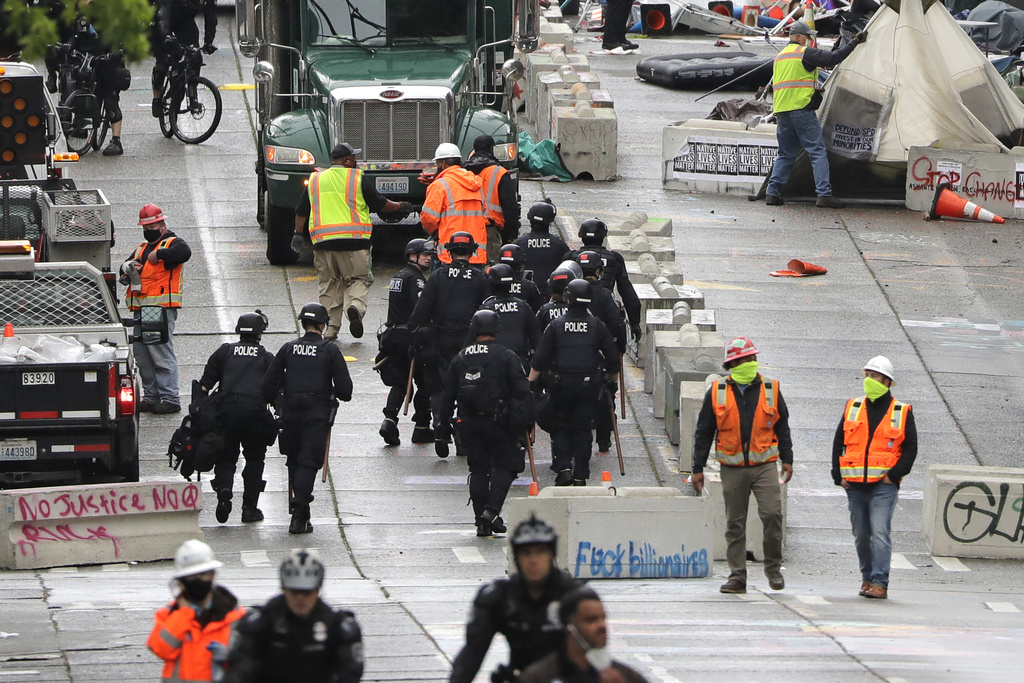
[
  {"x": 793, "y": 85},
  {"x": 160, "y": 286},
  {"x": 859, "y": 463},
  {"x": 764, "y": 445},
  {"x": 339, "y": 211}
]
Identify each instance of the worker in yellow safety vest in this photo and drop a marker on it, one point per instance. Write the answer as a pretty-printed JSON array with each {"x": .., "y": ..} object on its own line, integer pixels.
[
  {"x": 874, "y": 448},
  {"x": 795, "y": 100},
  {"x": 748, "y": 420},
  {"x": 337, "y": 209}
]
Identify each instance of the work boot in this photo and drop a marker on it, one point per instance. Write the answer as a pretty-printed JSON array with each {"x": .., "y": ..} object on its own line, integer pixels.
[
  {"x": 145, "y": 406},
  {"x": 300, "y": 521},
  {"x": 251, "y": 513},
  {"x": 775, "y": 581},
  {"x": 389, "y": 430},
  {"x": 733, "y": 586},
  {"x": 830, "y": 202},
  {"x": 483, "y": 527},
  {"x": 157, "y": 108},
  {"x": 563, "y": 478},
  {"x": 441, "y": 448},
  {"x": 422, "y": 434},
  {"x": 629, "y": 46},
  {"x": 773, "y": 200},
  {"x": 498, "y": 525},
  {"x": 579, "y": 482},
  {"x": 165, "y": 408},
  {"x": 114, "y": 149},
  {"x": 223, "y": 505},
  {"x": 355, "y": 322},
  {"x": 877, "y": 592}
]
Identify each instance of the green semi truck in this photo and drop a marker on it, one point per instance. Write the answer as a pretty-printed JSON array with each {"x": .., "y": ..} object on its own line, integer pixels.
[{"x": 394, "y": 78}]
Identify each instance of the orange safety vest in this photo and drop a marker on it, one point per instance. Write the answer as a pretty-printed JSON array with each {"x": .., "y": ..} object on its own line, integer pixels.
[
  {"x": 450, "y": 206},
  {"x": 160, "y": 286},
  {"x": 338, "y": 209},
  {"x": 886, "y": 442},
  {"x": 490, "y": 178},
  {"x": 179, "y": 640},
  {"x": 764, "y": 445}
]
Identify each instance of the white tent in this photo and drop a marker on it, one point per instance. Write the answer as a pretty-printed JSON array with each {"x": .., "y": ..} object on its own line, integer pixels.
[{"x": 917, "y": 79}]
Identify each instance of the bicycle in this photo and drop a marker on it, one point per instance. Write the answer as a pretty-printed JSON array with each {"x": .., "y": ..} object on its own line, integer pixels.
[
  {"x": 188, "y": 98},
  {"x": 83, "y": 115}
]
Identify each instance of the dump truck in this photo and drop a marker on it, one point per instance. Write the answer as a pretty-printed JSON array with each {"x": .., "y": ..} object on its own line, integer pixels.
[
  {"x": 393, "y": 78},
  {"x": 68, "y": 377}
]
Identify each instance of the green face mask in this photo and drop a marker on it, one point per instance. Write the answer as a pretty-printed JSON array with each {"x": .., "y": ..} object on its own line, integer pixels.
[
  {"x": 874, "y": 389},
  {"x": 744, "y": 373}
]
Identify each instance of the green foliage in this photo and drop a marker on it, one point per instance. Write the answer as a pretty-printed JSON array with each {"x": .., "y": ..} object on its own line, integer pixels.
[{"x": 32, "y": 25}]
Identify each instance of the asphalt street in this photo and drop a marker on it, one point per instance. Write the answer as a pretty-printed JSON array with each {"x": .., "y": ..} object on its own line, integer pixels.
[{"x": 940, "y": 299}]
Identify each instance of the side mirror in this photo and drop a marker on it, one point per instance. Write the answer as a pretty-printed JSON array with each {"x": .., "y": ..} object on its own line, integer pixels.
[
  {"x": 248, "y": 34},
  {"x": 150, "y": 326},
  {"x": 263, "y": 72}
]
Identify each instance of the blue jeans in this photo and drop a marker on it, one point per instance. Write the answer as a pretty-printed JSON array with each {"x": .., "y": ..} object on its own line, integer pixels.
[
  {"x": 159, "y": 367},
  {"x": 800, "y": 130},
  {"x": 871, "y": 509}
]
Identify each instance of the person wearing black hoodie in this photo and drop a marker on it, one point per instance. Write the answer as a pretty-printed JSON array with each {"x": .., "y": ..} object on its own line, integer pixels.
[{"x": 501, "y": 197}]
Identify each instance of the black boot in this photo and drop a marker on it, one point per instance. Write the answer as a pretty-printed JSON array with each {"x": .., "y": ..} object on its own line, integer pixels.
[
  {"x": 223, "y": 505},
  {"x": 300, "y": 521},
  {"x": 483, "y": 525},
  {"x": 389, "y": 430},
  {"x": 498, "y": 525},
  {"x": 251, "y": 514},
  {"x": 564, "y": 478},
  {"x": 422, "y": 434},
  {"x": 250, "y": 498}
]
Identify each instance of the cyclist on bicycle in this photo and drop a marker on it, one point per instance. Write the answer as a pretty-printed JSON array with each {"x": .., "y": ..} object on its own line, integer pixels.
[
  {"x": 177, "y": 18},
  {"x": 111, "y": 75}
]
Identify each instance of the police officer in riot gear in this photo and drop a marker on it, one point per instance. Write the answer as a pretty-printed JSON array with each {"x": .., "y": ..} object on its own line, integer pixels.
[
  {"x": 441, "y": 318},
  {"x": 311, "y": 374},
  {"x": 558, "y": 305},
  {"x": 581, "y": 353},
  {"x": 396, "y": 346},
  {"x": 518, "y": 607},
  {"x": 242, "y": 415},
  {"x": 613, "y": 272},
  {"x": 542, "y": 251},
  {"x": 296, "y": 637},
  {"x": 495, "y": 410},
  {"x": 519, "y": 331},
  {"x": 522, "y": 287}
]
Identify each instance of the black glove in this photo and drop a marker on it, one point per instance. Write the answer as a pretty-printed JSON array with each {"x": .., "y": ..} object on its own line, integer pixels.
[
  {"x": 406, "y": 207},
  {"x": 635, "y": 331},
  {"x": 860, "y": 37},
  {"x": 209, "y": 48},
  {"x": 298, "y": 243}
]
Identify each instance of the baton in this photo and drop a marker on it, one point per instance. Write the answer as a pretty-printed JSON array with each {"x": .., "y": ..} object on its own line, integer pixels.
[
  {"x": 382, "y": 362},
  {"x": 408, "y": 387},
  {"x": 618, "y": 443},
  {"x": 529, "y": 451},
  {"x": 622, "y": 390},
  {"x": 327, "y": 448}
]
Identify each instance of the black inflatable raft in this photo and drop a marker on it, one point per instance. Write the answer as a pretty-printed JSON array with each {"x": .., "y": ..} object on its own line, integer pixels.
[{"x": 703, "y": 71}]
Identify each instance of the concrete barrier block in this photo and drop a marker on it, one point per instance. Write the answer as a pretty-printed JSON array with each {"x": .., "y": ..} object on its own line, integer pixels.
[
  {"x": 641, "y": 533},
  {"x": 974, "y": 511},
  {"x": 544, "y": 60},
  {"x": 673, "y": 272},
  {"x": 562, "y": 88},
  {"x": 638, "y": 220},
  {"x": 717, "y": 157},
  {"x": 601, "y": 98},
  {"x": 559, "y": 34},
  {"x": 97, "y": 524},
  {"x": 631, "y": 246},
  {"x": 655, "y": 319},
  {"x": 755, "y": 530},
  {"x": 979, "y": 173},
  {"x": 676, "y": 366},
  {"x": 588, "y": 137},
  {"x": 704, "y": 319},
  {"x": 711, "y": 344},
  {"x": 691, "y": 398}
]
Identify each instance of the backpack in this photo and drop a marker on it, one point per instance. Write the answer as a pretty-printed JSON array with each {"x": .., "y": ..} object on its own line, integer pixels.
[
  {"x": 181, "y": 450},
  {"x": 476, "y": 395}
]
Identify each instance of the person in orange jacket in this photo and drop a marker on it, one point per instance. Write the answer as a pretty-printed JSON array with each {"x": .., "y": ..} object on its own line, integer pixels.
[
  {"x": 191, "y": 634},
  {"x": 455, "y": 203}
]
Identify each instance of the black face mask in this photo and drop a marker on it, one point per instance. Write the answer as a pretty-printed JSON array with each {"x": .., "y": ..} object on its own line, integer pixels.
[
  {"x": 196, "y": 590},
  {"x": 151, "y": 235}
]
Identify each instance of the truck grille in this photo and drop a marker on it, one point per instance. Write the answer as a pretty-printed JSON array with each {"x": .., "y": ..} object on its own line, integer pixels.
[
  {"x": 55, "y": 298},
  {"x": 409, "y": 130}
]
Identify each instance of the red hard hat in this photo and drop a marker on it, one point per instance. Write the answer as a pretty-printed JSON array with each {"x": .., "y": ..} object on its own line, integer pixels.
[
  {"x": 740, "y": 347},
  {"x": 151, "y": 213}
]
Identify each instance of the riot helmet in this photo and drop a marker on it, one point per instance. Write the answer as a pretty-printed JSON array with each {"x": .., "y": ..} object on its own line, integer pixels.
[
  {"x": 579, "y": 293},
  {"x": 251, "y": 324},
  {"x": 314, "y": 312},
  {"x": 513, "y": 255},
  {"x": 593, "y": 232},
  {"x": 572, "y": 267},
  {"x": 484, "y": 323},
  {"x": 302, "y": 570},
  {"x": 501, "y": 277},
  {"x": 560, "y": 277},
  {"x": 533, "y": 531},
  {"x": 415, "y": 247},
  {"x": 461, "y": 243},
  {"x": 590, "y": 262},
  {"x": 541, "y": 215}
]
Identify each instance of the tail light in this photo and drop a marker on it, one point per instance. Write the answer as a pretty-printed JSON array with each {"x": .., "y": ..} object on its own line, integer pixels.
[{"x": 126, "y": 397}]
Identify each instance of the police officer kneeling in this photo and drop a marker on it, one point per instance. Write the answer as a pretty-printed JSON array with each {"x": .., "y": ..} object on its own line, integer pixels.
[
  {"x": 518, "y": 607},
  {"x": 311, "y": 373},
  {"x": 495, "y": 410},
  {"x": 297, "y": 637}
]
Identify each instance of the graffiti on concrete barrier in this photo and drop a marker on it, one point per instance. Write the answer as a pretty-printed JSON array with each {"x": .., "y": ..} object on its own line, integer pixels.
[
  {"x": 161, "y": 498},
  {"x": 639, "y": 561},
  {"x": 973, "y": 512},
  {"x": 33, "y": 535}
]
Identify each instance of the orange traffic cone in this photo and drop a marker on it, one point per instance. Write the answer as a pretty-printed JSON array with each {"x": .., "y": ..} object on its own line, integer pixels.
[
  {"x": 798, "y": 268},
  {"x": 534, "y": 488},
  {"x": 8, "y": 330},
  {"x": 948, "y": 204}
]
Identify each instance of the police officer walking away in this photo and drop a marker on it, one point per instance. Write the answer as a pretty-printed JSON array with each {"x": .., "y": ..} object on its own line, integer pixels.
[
  {"x": 580, "y": 351},
  {"x": 747, "y": 418},
  {"x": 512, "y": 256},
  {"x": 338, "y": 206},
  {"x": 242, "y": 415},
  {"x": 494, "y": 414},
  {"x": 441, "y": 318},
  {"x": 613, "y": 271},
  {"x": 500, "y": 196},
  {"x": 519, "y": 331},
  {"x": 311, "y": 373},
  {"x": 297, "y": 637},
  {"x": 557, "y": 307},
  {"x": 542, "y": 251},
  {"x": 396, "y": 346},
  {"x": 518, "y": 607}
]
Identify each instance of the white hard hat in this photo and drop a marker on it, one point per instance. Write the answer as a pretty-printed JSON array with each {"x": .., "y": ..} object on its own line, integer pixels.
[
  {"x": 193, "y": 557},
  {"x": 302, "y": 570},
  {"x": 447, "y": 150},
  {"x": 882, "y": 366}
]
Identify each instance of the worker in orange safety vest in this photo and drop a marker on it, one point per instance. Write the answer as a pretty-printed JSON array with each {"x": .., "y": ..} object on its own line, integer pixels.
[
  {"x": 455, "y": 203},
  {"x": 500, "y": 194}
]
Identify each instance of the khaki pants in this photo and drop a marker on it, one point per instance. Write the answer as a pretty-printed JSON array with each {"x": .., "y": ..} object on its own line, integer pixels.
[
  {"x": 494, "y": 244},
  {"x": 737, "y": 485},
  {"x": 345, "y": 280}
]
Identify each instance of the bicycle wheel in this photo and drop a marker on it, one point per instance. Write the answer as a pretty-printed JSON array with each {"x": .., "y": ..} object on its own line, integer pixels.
[
  {"x": 165, "y": 112},
  {"x": 103, "y": 128},
  {"x": 197, "y": 114},
  {"x": 78, "y": 120}
]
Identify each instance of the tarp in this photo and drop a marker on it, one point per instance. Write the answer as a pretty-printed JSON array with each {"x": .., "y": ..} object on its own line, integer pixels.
[{"x": 1007, "y": 35}]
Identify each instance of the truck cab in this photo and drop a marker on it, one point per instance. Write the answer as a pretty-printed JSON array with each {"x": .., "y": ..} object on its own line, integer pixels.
[{"x": 394, "y": 78}]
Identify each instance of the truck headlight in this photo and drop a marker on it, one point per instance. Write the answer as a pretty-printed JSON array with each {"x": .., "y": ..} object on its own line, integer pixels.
[
  {"x": 289, "y": 155},
  {"x": 505, "y": 152}
]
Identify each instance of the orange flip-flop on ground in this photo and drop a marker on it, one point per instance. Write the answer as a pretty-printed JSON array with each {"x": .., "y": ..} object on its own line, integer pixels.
[{"x": 798, "y": 268}]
